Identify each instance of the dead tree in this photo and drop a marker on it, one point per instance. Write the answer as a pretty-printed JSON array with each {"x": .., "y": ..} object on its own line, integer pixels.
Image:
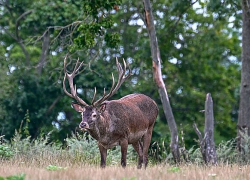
[
  {"x": 243, "y": 126},
  {"x": 155, "y": 53},
  {"x": 207, "y": 144}
]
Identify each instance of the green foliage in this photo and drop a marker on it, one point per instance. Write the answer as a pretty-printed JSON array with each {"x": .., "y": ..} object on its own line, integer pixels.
[
  {"x": 94, "y": 7},
  {"x": 159, "y": 151},
  {"x": 55, "y": 168},
  {"x": 80, "y": 148},
  {"x": 130, "y": 178},
  {"x": 34, "y": 95},
  {"x": 84, "y": 148},
  {"x": 89, "y": 32},
  {"x": 174, "y": 169},
  {"x": 5, "y": 152},
  {"x": 98, "y": 27},
  {"x": 244, "y": 155},
  {"x": 112, "y": 40},
  {"x": 26, "y": 126},
  {"x": 14, "y": 177},
  {"x": 227, "y": 152},
  {"x": 200, "y": 51},
  {"x": 25, "y": 87}
]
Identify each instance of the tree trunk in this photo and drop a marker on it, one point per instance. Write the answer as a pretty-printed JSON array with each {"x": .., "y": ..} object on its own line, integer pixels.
[
  {"x": 149, "y": 20},
  {"x": 207, "y": 145},
  {"x": 45, "y": 49},
  {"x": 244, "y": 110},
  {"x": 211, "y": 157}
]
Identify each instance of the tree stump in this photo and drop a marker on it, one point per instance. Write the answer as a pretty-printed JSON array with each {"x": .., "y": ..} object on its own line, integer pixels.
[{"x": 207, "y": 144}]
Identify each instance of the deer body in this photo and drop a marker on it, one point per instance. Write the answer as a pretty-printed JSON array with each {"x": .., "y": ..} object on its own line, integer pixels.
[
  {"x": 129, "y": 120},
  {"x": 129, "y": 117}
]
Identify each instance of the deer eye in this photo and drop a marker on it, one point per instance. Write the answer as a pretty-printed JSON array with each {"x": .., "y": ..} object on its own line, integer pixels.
[{"x": 94, "y": 115}]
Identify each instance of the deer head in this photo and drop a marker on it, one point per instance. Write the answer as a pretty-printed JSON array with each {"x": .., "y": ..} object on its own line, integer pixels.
[{"x": 91, "y": 113}]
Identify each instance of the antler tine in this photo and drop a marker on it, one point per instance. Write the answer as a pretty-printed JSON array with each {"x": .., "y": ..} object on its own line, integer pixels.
[
  {"x": 122, "y": 72},
  {"x": 129, "y": 69},
  {"x": 121, "y": 79},
  {"x": 64, "y": 64},
  {"x": 94, "y": 97},
  {"x": 66, "y": 75},
  {"x": 104, "y": 97},
  {"x": 70, "y": 77},
  {"x": 76, "y": 69},
  {"x": 64, "y": 87}
]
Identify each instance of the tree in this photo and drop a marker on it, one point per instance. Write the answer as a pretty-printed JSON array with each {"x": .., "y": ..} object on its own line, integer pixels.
[
  {"x": 155, "y": 53},
  {"x": 243, "y": 126},
  {"x": 200, "y": 53},
  {"x": 207, "y": 145},
  {"x": 36, "y": 35}
]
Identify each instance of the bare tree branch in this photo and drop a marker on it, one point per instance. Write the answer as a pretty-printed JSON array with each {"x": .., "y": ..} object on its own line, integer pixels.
[
  {"x": 53, "y": 105},
  {"x": 45, "y": 48},
  {"x": 19, "y": 40},
  {"x": 198, "y": 132},
  {"x": 73, "y": 27}
]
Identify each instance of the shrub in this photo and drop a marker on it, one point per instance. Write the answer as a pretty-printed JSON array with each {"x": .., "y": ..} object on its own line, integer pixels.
[{"x": 5, "y": 151}]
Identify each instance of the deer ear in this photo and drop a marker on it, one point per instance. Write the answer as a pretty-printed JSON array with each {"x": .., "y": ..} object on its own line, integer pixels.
[
  {"x": 78, "y": 107},
  {"x": 102, "y": 108}
]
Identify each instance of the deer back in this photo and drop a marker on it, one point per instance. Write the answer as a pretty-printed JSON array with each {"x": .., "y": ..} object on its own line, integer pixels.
[{"x": 134, "y": 113}]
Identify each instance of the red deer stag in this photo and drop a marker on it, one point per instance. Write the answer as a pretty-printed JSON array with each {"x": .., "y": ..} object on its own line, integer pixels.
[{"x": 116, "y": 122}]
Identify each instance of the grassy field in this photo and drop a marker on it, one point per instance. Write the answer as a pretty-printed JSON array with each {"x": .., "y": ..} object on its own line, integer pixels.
[
  {"x": 42, "y": 170},
  {"x": 25, "y": 159}
]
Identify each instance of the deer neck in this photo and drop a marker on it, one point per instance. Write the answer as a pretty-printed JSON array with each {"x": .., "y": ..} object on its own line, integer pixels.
[{"x": 101, "y": 127}]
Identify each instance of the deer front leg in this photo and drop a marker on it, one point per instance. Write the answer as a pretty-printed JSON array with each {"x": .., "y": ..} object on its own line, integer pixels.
[
  {"x": 124, "y": 148},
  {"x": 103, "y": 153}
]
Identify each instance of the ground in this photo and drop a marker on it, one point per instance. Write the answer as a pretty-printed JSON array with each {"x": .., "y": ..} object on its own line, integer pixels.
[{"x": 61, "y": 171}]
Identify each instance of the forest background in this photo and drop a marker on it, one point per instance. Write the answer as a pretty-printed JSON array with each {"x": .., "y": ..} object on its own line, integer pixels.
[{"x": 200, "y": 44}]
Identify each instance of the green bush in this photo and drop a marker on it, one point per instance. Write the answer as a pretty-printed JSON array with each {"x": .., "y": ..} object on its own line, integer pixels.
[
  {"x": 84, "y": 148},
  {"x": 14, "y": 177},
  {"x": 5, "y": 151}
]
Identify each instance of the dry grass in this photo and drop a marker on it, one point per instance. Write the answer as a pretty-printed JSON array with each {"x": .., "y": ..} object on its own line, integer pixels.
[
  {"x": 36, "y": 170},
  {"x": 80, "y": 157}
]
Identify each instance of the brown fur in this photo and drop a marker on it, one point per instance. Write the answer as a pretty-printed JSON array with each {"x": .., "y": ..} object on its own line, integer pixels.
[{"x": 121, "y": 122}]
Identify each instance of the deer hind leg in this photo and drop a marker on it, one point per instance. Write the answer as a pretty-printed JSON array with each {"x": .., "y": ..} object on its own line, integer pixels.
[
  {"x": 103, "y": 152},
  {"x": 124, "y": 148},
  {"x": 138, "y": 148},
  {"x": 146, "y": 142}
]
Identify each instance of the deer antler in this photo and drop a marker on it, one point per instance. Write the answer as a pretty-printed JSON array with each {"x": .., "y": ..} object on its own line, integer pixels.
[
  {"x": 113, "y": 89},
  {"x": 70, "y": 78},
  {"x": 121, "y": 79}
]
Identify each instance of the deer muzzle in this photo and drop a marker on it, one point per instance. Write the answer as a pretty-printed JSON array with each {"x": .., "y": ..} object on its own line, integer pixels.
[{"x": 84, "y": 126}]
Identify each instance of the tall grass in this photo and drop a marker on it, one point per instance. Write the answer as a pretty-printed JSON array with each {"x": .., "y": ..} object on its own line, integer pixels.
[
  {"x": 79, "y": 158},
  {"x": 81, "y": 148},
  {"x": 227, "y": 153},
  {"x": 78, "y": 149}
]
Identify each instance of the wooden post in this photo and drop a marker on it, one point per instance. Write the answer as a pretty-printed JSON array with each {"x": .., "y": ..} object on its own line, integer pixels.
[{"x": 207, "y": 144}]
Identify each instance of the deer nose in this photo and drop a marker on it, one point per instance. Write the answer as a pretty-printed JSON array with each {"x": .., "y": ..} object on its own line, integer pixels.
[{"x": 83, "y": 125}]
